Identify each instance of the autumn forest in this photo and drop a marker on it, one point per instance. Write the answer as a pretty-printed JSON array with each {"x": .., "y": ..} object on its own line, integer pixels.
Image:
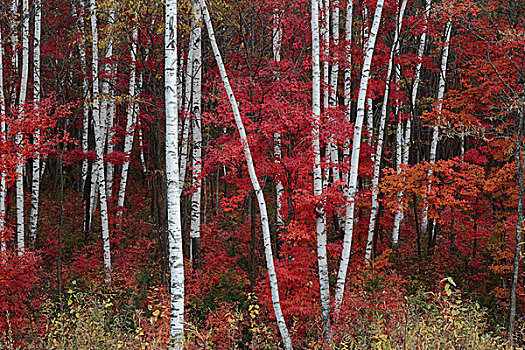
[{"x": 262, "y": 174}]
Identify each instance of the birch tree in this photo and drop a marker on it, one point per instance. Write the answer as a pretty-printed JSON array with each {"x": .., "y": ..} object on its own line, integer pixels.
[
  {"x": 287, "y": 342},
  {"x": 320, "y": 214},
  {"x": 37, "y": 90},
  {"x": 20, "y": 229},
  {"x": 196, "y": 125},
  {"x": 435, "y": 131},
  {"x": 403, "y": 141},
  {"x": 130, "y": 122},
  {"x": 354, "y": 163},
  {"x": 279, "y": 188},
  {"x": 176, "y": 261},
  {"x": 380, "y": 135},
  {"x": 3, "y": 182},
  {"x": 107, "y": 104},
  {"x": 99, "y": 146}
]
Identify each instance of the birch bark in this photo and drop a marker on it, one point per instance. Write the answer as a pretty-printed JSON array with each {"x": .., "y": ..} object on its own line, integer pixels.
[
  {"x": 320, "y": 214},
  {"x": 195, "y": 109},
  {"x": 35, "y": 184},
  {"x": 405, "y": 143},
  {"x": 20, "y": 229},
  {"x": 176, "y": 261},
  {"x": 354, "y": 165},
  {"x": 130, "y": 122},
  {"x": 279, "y": 188},
  {"x": 380, "y": 135},
  {"x": 287, "y": 342},
  {"x": 3, "y": 183},
  {"x": 435, "y": 133},
  {"x": 99, "y": 147}
]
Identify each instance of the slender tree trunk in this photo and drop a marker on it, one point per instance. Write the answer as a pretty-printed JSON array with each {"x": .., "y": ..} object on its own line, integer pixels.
[
  {"x": 380, "y": 135},
  {"x": 332, "y": 101},
  {"x": 405, "y": 146},
  {"x": 99, "y": 147},
  {"x": 347, "y": 90},
  {"x": 176, "y": 259},
  {"x": 354, "y": 165},
  {"x": 3, "y": 182},
  {"x": 287, "y": 342},
  {"x": 196, "y": 79},
  {"x": 130, "y": 122},
  {"x": 35, "y": 185},
  {"x": 519, "y": 224},
  {"x": 107, "y": 103},
  {"x": 20, "y": 229},
  {"x": 279, "y": 188},
  {"x": 320, "y": 214},
  {"x": 435, "y": 133}
]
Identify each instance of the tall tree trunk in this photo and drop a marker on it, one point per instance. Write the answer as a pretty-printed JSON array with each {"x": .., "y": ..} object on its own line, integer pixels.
[
  {"x": 287, "y": 342},
  {"x": 85, "y": 120},
  {"x": 279, "y": 188},
  {"x": 320, "y": 214},
  {"x": 405, "y": 144},
  {"x": 347, "y": 89},
  {"x": 20, "y": 230},
  {"x": 130, "y": 122},
  {"x": 519, "y": 224},
  {"x": 354, "y": 165},
  {"x": 435, "y": 133},
  {"x": 35, "y": 186},
  {"x": 99, "y": 148},
  {"x": 107, "y": 103},
  {"x": 176, "y": 259},
  {"x": 195, "y": 110},
  {"x": 3, "y": 182},
  {"x": 380, "y": 135},
  {"x": 332, "y": 101}
]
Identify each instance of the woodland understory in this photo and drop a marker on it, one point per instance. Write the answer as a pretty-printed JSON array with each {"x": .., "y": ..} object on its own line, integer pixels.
[{"x": 262, "y": 174}]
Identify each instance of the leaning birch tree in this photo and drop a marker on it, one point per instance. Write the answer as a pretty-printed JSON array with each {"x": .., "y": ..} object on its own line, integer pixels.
[
  {"x": 176, "y": 260},
  {"x": 287, "y": 341},
  {"x": 404, "y": 137},
  {"x": 351, "y": 190},
  {"x": 196, "y": 126},
  {"x": 380, "y": 135},
  {"x": 435, "y": 131},
  {"x": 99, "y": 147},
  {"x": 130, "y": 122}
]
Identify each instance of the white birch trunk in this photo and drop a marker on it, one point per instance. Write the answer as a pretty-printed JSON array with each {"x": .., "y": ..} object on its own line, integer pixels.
[
  {"x": 130, "y": 122},
  {"x": 176, "y": 259},
  {"x": 354, "y": 165},
  {"x": 325, "y": 31},
  {"x": 195, "y": 109},
  {"x": 35, "y": 185},
  {"x": 287, "y": 342},
  {"x": 320, "y": 214},
  {"x": 405, "y": 144},
  {"x": 99, "y": 147},
  {"x": 20, "y": 230},
  {"x": 3, "y": 183},
  {"x": 380, "y": 135},
  {"x": 435, "y": 132},
  {"x": 334, "y": 76},
  {"x": 279, "y": 188},
  {"x": 347, "y": 88},
  {"x": 107, "y": 108},
  {"x": 86, "y": 94}
]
